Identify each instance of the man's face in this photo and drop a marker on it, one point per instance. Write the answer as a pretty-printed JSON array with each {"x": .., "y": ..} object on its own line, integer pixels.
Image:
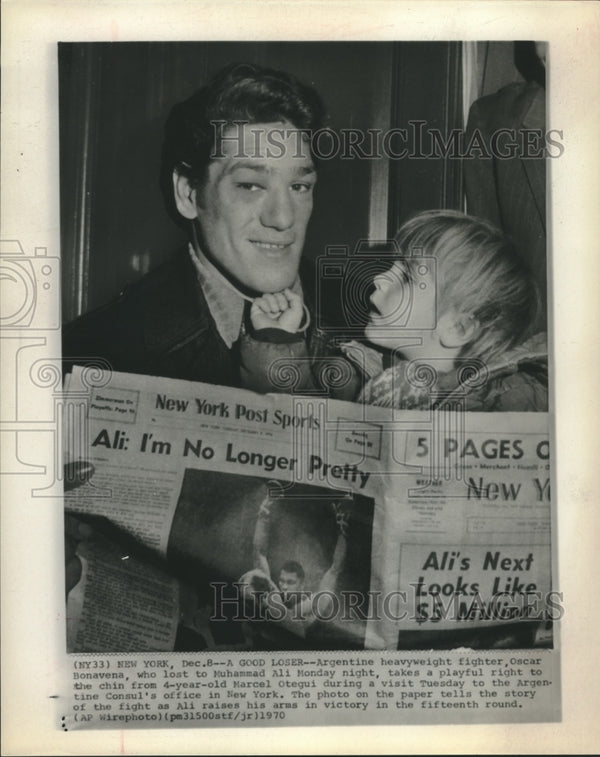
[
  {"x": 289, "y": 582},
  {"x": 255, "y": 205}
]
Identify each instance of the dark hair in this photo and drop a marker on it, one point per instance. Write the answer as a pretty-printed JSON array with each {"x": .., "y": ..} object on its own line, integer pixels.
[
  {"x": 291, "y": 566},
  {"x": 241, "y": 92}
]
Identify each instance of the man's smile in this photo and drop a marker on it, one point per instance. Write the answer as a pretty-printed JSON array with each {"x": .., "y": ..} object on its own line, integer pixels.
[{"x": 271, "y": 246}]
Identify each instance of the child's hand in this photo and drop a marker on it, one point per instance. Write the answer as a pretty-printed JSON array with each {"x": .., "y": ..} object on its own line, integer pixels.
[{"x": 281, "y": 310}]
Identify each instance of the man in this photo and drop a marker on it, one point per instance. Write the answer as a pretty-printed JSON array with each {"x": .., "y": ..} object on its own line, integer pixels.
[
  {"x": 508, "y": 188},
  {"x": 283, "y": 613},
  {"x": 241, "y": 175},
  {"x": 291, "y": 578},
  {"x": 238, "y": 172}
]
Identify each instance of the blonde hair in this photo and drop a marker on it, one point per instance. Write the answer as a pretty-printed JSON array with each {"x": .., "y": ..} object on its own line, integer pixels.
[{"x": 478, "y": 272}]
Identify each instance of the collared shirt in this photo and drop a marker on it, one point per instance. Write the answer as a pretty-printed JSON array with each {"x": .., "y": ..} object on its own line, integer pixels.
[{"x": 225, "y": 303}]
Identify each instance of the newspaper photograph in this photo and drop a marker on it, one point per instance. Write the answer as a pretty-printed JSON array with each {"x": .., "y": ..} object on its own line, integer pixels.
[{"x": 301, "y": 392}]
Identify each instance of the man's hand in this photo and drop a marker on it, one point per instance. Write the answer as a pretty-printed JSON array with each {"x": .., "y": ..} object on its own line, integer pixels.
[
  {"x": 75, "y": 474},
  {"x": 264, "y": 511},
  {"x": 342, "y": 516},
  {"x": 281, "y": 310},
  {"x": 75, "y": 531}
]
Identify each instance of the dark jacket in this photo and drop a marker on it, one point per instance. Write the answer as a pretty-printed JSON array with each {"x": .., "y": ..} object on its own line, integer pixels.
[
  {"x": 162, "y": 326},
  {"x": 510, "y": 190},
  {"x": 516, "y": 381},
  {"x": 159, "y": 326}
]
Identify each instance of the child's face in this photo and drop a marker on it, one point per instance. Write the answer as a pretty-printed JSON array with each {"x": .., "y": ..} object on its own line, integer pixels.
[{"x": 404, "y": 308}]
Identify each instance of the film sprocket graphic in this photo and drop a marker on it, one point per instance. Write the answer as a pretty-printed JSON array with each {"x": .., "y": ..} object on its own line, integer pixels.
[
  {"x": 33, "y": 404},
  {"x": 345, "y": 283},
  {"x": 30, "y": 288},
  {"x": 29, "y": 312}
]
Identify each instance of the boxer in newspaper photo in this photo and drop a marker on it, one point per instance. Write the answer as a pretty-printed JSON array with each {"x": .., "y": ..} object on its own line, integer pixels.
[
  {"x": 308, "y": 555},
  {"x": 286, "y": 601}
]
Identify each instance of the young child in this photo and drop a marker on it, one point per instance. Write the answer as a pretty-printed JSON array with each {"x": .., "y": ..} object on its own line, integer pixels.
[{"x": 449, "y": 321}]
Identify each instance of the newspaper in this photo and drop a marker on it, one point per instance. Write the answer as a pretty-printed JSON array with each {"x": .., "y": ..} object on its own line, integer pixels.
[{"x": 410, "y": 530}]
